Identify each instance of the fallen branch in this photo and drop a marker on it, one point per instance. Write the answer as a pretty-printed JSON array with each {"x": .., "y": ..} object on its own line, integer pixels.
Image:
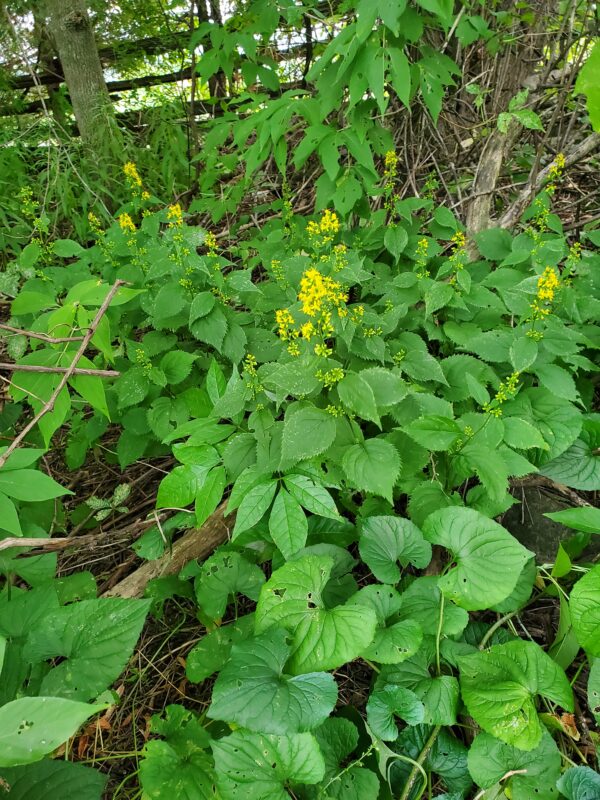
[
  {"x": 49, "y": 404},
  {"x": 100, "y": 373},
  {"x": 43, "y": 337},
  {"x": 196, "y": 543}
]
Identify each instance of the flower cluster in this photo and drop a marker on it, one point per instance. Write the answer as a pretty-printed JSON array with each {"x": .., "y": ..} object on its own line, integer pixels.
[
  {"x": 175, "y": 215},
  {"x": 556, "y": 172},
  {"x": 126, "y": 223},
  {"x": 547, "y": 284},
  {"x": 506, "y": 391},
  {"x": 458, "y": 257},
  {"x": 324, "y": 231},
  {"x": 390, "y": 174},
  {"x": 131, "y": 173},
  {"x": 421, "y": 258},
  {"x": 285, "y": 323},
  {"x": 317, "y": 291},
  {"x": 331, "y": 377}
]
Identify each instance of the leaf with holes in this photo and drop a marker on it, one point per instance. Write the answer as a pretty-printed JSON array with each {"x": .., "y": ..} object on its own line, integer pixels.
[
  {"x": 389, "y": 702},
  {"x": 254, "y": 692},
  {"x": 322, "y": 638},
  {"x": 386, "y": 541},
  {"x": 254, "y": 767},
  {"x": 212, "y": 652},
  {"x": 488, "y": 559},
  {"x": 222, "y": 575}
]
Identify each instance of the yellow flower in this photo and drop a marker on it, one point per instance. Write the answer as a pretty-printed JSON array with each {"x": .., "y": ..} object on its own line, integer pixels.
[
  {"x": 175, "y": 215},
  {"x": 210, "y": 240},
  {"x": 316, "y": 289},
  {"x": 322, "y": 350},
  {"x": 391, "y": 160},
  {"x": 132, "y": 174},
  {"x": 324, "y": 230},
  {"x": 307, "y": 331},
  {"x": 284, "y": 321},
  {"x": 126, "y": 223},
  {"x": 459, "y": 239},
  {"x": 145, "y": 195}
]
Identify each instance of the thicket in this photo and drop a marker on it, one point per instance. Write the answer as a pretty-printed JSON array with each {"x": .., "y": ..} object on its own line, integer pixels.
[{"x": 344, "y": 357}]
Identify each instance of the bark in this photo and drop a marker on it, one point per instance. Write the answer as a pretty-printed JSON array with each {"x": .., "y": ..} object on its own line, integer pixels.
[{"x": 73, "y": 36}]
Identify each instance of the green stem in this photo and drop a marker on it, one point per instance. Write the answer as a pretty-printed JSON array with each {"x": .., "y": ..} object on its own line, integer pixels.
[
  {"x": 418, "y": 767},
  {"x": 438, "y": 635},
  {"x": 498, "y": 624}
]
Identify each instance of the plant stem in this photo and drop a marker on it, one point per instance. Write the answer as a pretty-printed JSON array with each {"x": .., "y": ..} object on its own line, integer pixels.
[
  {"x": 419, "y": 762},
  {"x": 493, "y": 628},
  {"x": 439, "y": 634}
]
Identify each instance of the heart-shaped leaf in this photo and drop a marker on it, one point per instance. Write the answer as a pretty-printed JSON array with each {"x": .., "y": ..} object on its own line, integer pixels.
[
  {"x": 384, "y": 541},
  {"x": 223, "y": 574},
  {"x": 585, "y": 611},
  {"x": 392, "y": 701}
]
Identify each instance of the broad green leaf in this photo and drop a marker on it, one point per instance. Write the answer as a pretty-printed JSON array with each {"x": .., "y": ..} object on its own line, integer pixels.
[
  {"x": 254, "y": 506},
  {"x": 421, "y": 602},
  {"x": 388, "y": 387},
  {"x": 222, "y": 575},
  {"x": 180, "y": 487},
  {"x": 489, "y": 466},
  {"x": 490, "y": 760},
  {"x": 557, "y": 380},
  {"x": 587, "y": 83},
  {"x": 95, "y": 639},
  {"x": 580, "y": 783},
  {"x": 439, "y": 696},
  {"x": 312, "y": 496},
  {"x": 323, "y": 638},
  {"x": 586, "y": 519},
  {"x": 427, "y": 497},
  {"x": 253, "y": 691},
  {"x": 210, "y": 494},
  {"x": 593, "y": 689},
  {"x": 21, "y": 458},
  {"x": 523, "y": 353},
  {"x": 384, "y": 704},
  {"x": 356, "y": 395},
  {"x": 181, "y": 765},
  {"x": 212, "y": 652},
  {"x": 579, "y": 466},
  {"x": 337, "y": 739},
  {"x": 9, "y": 519},
  {"x": 499, "y": 687},
  {"x": 372, "y": 466},
  {"x": 396, "y": 642},
  {"x": 522, "y": 435},
  {"x": 288, "y": 525},
  {"x": 488, "y": 559},
  {"x": 32, "y": 727},
  {"x": 254, "y": 767},
  {"x": 307, "y": 432},
  {"x": 31, "y": 485},
  {"x": 395, "y": 237},
  {"x": 434, "y": 433},
  {"x": 177, "y": 365},
  {"x": 53, "y": 778},
  {"x": 385, "y": 541},
  {"x": 585, "y": 611}
]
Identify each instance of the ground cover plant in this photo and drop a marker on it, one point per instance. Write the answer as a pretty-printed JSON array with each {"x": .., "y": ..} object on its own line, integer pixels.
[{"x": 343, "y": 401}]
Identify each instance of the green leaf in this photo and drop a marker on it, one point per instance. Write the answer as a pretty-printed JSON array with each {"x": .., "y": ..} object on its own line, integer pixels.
[
  {"x": 288, "y": 526},
  {"x": 585, "y": 611},
  {"x": 523, "y": 353},
  {"x": 372, "y": 466},
  {"x": 322, "y": 638},
  {"x": 356, "y": 395},
  {"x": 253, "y": 691},
  {"x": 307, "y": 432},
  {"x": 392, "y": 701},
  {"x": 388, "y": 387},
  {"x": 395, "y": 238},
  {"x": 396, "y": 642},
  {"x": 202, "y": 304},
  {"x": 580, "y": 783},
  {"x": 421, "y": 602},
  {"x": 437, "y": 296},
  {"x": 180, "y": 765},
  {"x": 446, "y": 758},
  {"x": 222, "y": 575},
  {"x": 212, "y": 652},
  {"x": 488, "y": 465},
  {"x": 587, "y": 83},
  {"x": 32, "y": 727},
  {"x": 579, "y": 466},
  {"x": 494, "y": 243},
  {"x": 337, "y": 738},
  {"x": 254, "y": 505},
  {"x": 31, "y": 485},
  {"x": 179, "y": 488},
  {"x": 385, "y": 541},
  {"x": 211, "y": 328},
  {"x": 177, "y": 365},
  {"x": 434, "y": 433},
  {"x": 490, "y": 760},
  {"x": 499, "y": 687},
  {"x": 94, "y": 639},
  {"x": 33, "y": 782},
  {"x": 557, "y": 380},
  {"x": 586, "y": 519},
  {"x": 132, "y": 387},
  {"x": 254, "y": 767},
  {"x": 488, "y": 559},
  {"x": 312, "y": 496},
  {"x": 9, "y": 519},
  {"x": 439, "y": 696},
  {"x": 522, "y": 435},
  {"x": 210, "y": 494}
]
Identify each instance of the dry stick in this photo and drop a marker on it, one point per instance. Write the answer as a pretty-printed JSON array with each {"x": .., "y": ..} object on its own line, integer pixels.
[
  {"x": 41, "y": 336},
  {"x": 100, "y": 373},
  {"x": 49, "y": 404}
]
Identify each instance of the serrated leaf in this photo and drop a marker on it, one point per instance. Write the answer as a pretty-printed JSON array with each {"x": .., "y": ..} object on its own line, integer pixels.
[
  {"x": 558, "y": 381},
  {"x": 372, "y": 466},
  {"x": 579, "y": 466},
  {"x": 312, "y": 496},
  {"x": 522, "y": 435},
  {"x": 254, "y": 767},
  {"x": 254, "y": 506},
  {"x": 33, "y": 781},
  {"x": 384, "y": 704},
  {"x": 499, "y": 687},
  {"x": 488, "y": 559},
  {"x": 523, "y": 353},
  {"x": 209, "y": 495},
  {"x": 585, "y": 611},
  {"x": 433, "y": 432},
  {"x": 212, "y": 652},
  {"x": 307, "y": 432},
  {"x": 288, "y": 525},
  {"x": 385, "y": 541},
  {"x": 395, "y": 238},
  {"x": 323, "y": 638},
  {"x": 253, "y": 691},
  {"x": 356, "y": 395},
  {"x": 177, "y": 365},
  {"x": 222, "y": 575}
]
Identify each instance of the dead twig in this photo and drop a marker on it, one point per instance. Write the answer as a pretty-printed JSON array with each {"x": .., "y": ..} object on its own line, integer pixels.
[
  {"x": 49, "y": 404},
  {"x": 100, "y": 373},
  {"x": 43, "y": 337}
]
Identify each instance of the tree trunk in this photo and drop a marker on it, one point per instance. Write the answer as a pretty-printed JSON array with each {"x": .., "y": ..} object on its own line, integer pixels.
[{"x": 74, "y": 39}]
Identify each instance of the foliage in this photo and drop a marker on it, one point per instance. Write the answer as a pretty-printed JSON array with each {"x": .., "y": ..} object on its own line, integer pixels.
[{"x": 359, "y": 387}]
